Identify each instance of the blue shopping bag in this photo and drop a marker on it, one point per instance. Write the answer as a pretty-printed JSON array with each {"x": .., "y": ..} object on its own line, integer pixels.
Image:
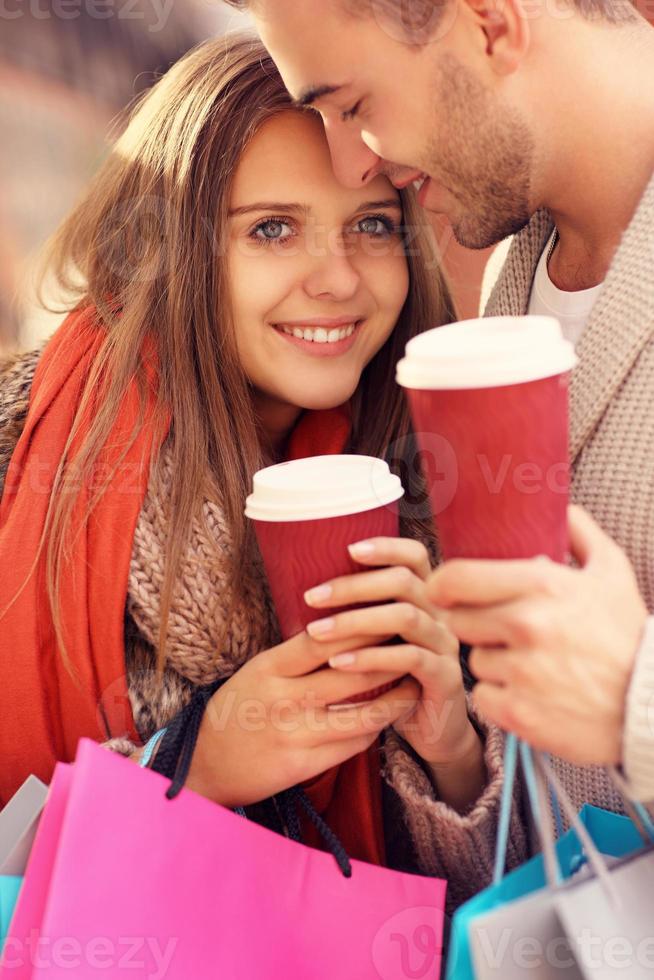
[
  {"x": 614, "y": 836},
  {"x": 9, "y": 889}
]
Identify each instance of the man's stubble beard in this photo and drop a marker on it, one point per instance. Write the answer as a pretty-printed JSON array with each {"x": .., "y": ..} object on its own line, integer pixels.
[{"x": 483, "y": 155}]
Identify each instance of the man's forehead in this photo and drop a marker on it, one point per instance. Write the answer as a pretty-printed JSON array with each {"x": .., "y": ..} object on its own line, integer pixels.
[
  {"x": 313, "y": 44},
  {"x": 303, "y": 21}
]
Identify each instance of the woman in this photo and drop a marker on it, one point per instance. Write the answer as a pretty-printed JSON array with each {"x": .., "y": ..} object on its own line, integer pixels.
[{"x": 215, "y": 234}]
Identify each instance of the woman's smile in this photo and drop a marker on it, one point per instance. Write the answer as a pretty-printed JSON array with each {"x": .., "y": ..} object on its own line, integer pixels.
[{"x": 321, "y": 337}]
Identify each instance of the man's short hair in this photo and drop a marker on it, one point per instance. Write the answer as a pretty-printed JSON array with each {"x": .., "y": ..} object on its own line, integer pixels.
[{"x": 413, "y": 13}]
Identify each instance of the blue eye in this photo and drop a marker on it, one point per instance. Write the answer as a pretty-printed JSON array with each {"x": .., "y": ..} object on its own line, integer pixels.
[
  {"x": 272, "y": 230},
  {"x": 376, "y": 225}
]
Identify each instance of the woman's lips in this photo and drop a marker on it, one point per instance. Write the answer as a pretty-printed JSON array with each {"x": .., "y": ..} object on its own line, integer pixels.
[{"x": 316, "y": 349}]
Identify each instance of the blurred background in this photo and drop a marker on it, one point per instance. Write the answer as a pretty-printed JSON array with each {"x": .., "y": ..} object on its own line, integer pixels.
[{"x": 67, "y": 69}]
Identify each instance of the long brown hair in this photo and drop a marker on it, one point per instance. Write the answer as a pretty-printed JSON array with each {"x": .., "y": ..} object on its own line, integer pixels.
[{"x": 146, "y": 247}]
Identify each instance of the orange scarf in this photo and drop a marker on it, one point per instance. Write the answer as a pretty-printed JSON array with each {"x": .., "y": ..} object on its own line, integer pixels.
[{"x": 45, "y": 710}]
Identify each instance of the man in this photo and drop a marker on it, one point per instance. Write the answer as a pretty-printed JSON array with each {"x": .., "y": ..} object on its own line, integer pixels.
[{"x": 532, "y": 118}]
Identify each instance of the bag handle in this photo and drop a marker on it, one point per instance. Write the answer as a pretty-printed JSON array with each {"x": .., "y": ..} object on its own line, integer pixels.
[
  {"x": 554, "y": 793},
  {"x": 547, "y": 777},
  {"x": 506, "y": 805},
  {"x": 176, "y": 745},
  {"x": 514, "y": 747},
  {"x": 635, "y": 809},
  {"x": 539, "y": 777}
]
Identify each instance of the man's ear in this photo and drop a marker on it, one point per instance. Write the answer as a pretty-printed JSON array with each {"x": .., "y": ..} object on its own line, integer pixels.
[{"x": 505, "y": 26}]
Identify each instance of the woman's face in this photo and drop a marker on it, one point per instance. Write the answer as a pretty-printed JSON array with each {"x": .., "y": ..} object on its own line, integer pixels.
[{"x": 310, "y": 261}]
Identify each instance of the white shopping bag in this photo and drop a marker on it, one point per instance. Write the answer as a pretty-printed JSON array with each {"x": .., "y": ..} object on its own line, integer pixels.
[{"x": 18, "y": 822}]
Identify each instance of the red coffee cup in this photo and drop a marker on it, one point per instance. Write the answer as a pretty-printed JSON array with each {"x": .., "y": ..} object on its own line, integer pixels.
[
  {"x": 306, "y": 512},
  {"x": 489, "y": 402}
]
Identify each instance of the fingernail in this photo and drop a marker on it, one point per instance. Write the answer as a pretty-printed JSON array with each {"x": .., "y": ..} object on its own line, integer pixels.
[
  {"x": 342, "y": 660},
  {"x": 320, "y": 594},
  {"x": 361, "y": 549},
  {"x": 321, "y": 627}
]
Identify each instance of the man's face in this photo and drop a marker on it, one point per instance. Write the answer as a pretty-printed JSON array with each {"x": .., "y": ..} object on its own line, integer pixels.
[{"x": 407, "y": 110}]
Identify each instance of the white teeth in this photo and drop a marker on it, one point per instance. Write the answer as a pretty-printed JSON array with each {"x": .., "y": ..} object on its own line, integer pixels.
[{"x": 319, "y": 335}]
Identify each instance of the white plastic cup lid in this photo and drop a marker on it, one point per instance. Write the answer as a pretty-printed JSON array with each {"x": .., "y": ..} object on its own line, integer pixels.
[
  {"x": 485, "y": 353},
  {"x": 322, "y": 486}
]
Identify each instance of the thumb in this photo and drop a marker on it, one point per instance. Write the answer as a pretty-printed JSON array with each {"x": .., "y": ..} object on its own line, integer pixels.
[{"x": 588, "y": 542}]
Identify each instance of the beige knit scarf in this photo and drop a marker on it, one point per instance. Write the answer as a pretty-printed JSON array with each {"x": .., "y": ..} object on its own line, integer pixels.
[{"x": 202, "y": 646}]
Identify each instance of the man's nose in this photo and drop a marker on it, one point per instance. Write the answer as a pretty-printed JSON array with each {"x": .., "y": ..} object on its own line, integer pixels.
[{"x": 354, "y": 163}]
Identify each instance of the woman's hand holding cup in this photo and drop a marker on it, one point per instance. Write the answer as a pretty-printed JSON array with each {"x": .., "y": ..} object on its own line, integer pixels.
[
  {"x": 438, "y": 727},
  {"x": 307, "y": 514},
  {"x": 268, "y": 727}
]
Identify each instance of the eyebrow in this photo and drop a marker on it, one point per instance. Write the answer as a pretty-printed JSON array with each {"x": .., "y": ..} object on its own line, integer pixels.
[
  {"x": 266, "y": 206},
  {"x": 393, "y": 202},
  {"x": 316, "y": 92}
]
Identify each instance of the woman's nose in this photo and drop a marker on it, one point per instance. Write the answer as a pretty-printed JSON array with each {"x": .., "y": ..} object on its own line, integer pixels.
[{"x": 333, "y": 275}]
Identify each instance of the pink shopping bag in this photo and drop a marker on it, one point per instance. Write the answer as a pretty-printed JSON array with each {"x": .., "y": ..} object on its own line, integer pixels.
[{"x": 124, "y": 882}]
